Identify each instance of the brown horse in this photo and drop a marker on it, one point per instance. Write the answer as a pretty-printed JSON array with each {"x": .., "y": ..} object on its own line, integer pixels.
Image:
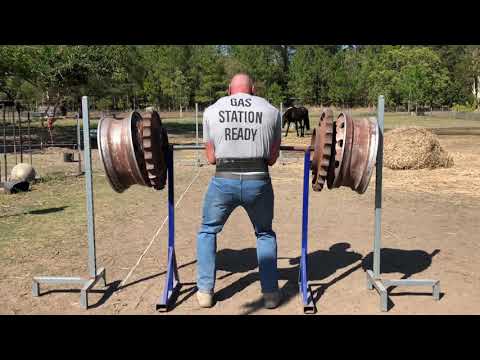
[{"x": 299, "y": 116}]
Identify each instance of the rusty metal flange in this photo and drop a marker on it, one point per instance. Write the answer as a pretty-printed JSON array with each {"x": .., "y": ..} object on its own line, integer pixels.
[
  {"x": 372, "y": 155},
  {"x": 155, "y": 146},
  {"x": 356, "y": 143},
  {"x": 322, "y": 140},
  {"x": 133, "y": 151},
  {"x": 121, "y": 151}
]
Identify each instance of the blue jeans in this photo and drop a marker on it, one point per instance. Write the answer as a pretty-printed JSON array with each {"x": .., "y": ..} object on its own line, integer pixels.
[{"x": 222, "y": 197}]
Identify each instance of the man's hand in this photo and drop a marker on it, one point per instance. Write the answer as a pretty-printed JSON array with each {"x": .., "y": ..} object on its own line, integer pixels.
[
  {"x": 274, "y": 153},
  {"x": 210, "y": 153}
]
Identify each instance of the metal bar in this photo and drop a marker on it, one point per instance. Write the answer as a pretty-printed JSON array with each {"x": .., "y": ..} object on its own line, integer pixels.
[
  {"x": 59, "y": 280},
  {"x": 92, "y": 266},
  {"x": 29, "y": 139},
  {"x": 298, "y": 148},
  {"x": 382, "y": 291},
  {"x": 1, "y": 164},
  {"x": 306, "y": 178},
  {"x": 196, "y": 125},
  {"x": 20, "y": 135},
  {"x": 79, "y": 146},
  {"x": 378, "y": 189},
  {"x": 49, "y": 145},
  {"x": 90, "y": 284},
  {"x": 307, "y": 296},
  {"x": 281, "y": 118},
  {"x": 409, "y": 282},
  {"x": 436, "y": 291},
  {"x": 171, "y": 282},
  {"x": 5, "y": 143},
  {"x": 14, "y": 136},
  {"x": 171, "y": 205}
]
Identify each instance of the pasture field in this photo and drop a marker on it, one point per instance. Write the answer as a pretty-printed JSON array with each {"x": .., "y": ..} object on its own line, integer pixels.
[{"x": 430, "y": 230}]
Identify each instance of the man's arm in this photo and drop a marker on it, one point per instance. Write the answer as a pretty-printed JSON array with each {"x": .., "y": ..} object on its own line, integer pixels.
[
  {"x": 210, "y": 153},
  {"x": 274, "y": 152},
  {"x": 209, "y": 145},
  {"x": 275, "y": 148}
]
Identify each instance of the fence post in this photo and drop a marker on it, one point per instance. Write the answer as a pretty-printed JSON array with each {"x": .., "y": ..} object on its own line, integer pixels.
[
  {"x": 14, "y": 136},
  {"x": 281, "y": 116},
  {"x": 79, "y": 146},
  {"x": 29, "y": 139},
  {"x": 196, "y": 125},
  {"x": 5, "y": 142}
]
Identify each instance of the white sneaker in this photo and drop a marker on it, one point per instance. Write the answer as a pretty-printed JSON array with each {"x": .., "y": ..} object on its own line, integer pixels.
[
  {"x": 205, "y": 300},
  {"x": 272, "y": 300}
]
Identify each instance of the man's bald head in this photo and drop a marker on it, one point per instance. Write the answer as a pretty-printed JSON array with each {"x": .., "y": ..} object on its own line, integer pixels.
[{"x": 241, "y": 83}]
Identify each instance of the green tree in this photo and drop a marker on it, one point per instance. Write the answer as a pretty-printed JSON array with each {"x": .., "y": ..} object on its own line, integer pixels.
[
  {"x": 309, "y": 74},
  {"x": 167, "y": 67},
  {"x": 457, "y": 60},
  {"x": 265, "y": 64},
  {"x": 208, "y": 74}
]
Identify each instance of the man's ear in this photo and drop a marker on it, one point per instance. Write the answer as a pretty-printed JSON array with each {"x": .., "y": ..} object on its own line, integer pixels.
[{"x": 254, "y": 91}]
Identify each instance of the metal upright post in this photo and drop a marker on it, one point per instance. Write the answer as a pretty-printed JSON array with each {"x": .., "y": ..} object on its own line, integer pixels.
[
  {"x": 92, "y": 266},
  {"x": 94, "y": 274},
  {"x": 172, "y": 282},
  {"x": 92, "y": 262},
  {"x": 14, "y": 136},
  {"x": 20, "y": 134},
  {"x": 5, "y": 142},
  {"x": 79, "y": 146},
  {"x": 378, "y": 189},
  {"x": 307, "y": 298},
  {"x": 29, "y": 139},
  {"x": 281, "y": 115},
  {"x": 374, "y": 279},
  {"x": 196, "y": 123}
]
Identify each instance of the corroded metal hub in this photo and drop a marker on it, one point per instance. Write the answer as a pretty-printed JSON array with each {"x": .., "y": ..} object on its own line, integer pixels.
[
  {"x": 132, "y": 151},
  {"x": 356, "y": 143},
  {"x": 155, "y": 146},
  {"x": 322, "y": 140}
]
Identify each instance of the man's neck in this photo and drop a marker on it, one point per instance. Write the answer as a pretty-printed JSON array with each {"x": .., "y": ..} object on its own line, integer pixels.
[{"x": 241, "y": 92}]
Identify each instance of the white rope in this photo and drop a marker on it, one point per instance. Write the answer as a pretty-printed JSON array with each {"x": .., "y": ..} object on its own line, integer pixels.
[{"x": 156, "y": 234}]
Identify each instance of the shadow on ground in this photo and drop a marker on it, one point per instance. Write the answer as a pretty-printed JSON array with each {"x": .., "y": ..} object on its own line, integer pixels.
[
  {"x": 38, "y": 212},
  {"x": 322, "y": 264}
]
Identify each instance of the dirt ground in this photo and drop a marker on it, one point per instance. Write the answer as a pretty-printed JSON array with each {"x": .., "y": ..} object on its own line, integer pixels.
[{"x": 430, "y": 230}]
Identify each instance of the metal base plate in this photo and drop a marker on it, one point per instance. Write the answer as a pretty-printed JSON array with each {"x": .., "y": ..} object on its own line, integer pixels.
[
  {"x": 87, "y": 284},
  {"x": 165, "y": 306},
  {"x": 308, "y": 304},
  {"x": 381, "y": 286}
]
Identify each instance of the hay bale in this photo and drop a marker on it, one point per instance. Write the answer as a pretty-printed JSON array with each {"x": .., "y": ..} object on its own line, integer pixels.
[{"x": 414, "y": 148}]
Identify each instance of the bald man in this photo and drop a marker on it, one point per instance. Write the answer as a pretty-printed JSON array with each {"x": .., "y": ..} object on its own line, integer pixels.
[{"x": 242, "y": 135}]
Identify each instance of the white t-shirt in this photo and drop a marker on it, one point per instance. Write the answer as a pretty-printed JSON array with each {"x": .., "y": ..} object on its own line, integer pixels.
[{"x": 242, "y": 126}]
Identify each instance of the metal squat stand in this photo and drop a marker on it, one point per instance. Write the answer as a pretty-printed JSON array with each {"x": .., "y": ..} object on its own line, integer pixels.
[
  {"x": 305, "y": 290},
  {"x": 172, "y": 281},
  {"x": 94, "y": 273},
  {"x": 374, "y": 279}
]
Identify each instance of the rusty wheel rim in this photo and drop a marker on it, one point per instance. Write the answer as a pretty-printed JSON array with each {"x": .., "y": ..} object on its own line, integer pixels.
[
  {"x": 120, "y": 151},
  {"x": 322, "y": 139}
]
